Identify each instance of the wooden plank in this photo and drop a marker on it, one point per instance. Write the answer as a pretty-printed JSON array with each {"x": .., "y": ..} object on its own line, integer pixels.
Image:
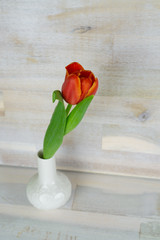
[
  {"x": 26, "y": 119},
  {"x": 21, "y": 150},
  {"x": 2, "y": 111},
  {"x": 18, "y": 227},
  {"x": 103, "y": 201},
  {"x": 129, "y": 47},
  {"x": 26, "y": 107},
  {"x": 131, "y": 139},
  {"x": 150, "y": 230}
]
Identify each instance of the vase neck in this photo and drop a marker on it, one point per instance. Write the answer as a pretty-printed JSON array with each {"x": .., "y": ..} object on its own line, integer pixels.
[{"x": 47, "y": 170}]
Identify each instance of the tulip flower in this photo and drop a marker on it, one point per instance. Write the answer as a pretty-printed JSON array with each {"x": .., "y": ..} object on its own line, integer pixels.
[
  {"x": 78, "y": 89},
  {"x": 79, "y": 84}
]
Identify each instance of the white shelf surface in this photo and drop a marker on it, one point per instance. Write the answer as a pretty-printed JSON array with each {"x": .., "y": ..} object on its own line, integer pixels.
[{"x": 102, "y": 207}]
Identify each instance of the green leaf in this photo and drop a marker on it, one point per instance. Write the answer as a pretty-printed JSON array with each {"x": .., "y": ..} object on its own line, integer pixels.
[
  {"x": 57, "y": 95},
  {"x": 77, "y": 114},
  {"x": 55, "y": 131}
]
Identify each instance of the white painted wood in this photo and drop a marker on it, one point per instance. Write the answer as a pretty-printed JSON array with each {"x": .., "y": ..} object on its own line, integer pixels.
[
  {"x": 1, "y": 104},
  {"x": 131, "y": 139},
  {"x": 119, "y": 41},
  {"x": 132, "y": 144},
  {"x": 30, "y": 106},
  {"x": 23, "y": 128}
]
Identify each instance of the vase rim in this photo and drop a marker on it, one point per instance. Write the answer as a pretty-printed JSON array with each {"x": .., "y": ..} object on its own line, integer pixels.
[{"x": 40, "y": 155}]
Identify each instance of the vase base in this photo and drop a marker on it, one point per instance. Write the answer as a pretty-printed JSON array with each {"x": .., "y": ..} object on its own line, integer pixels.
[{"x": 49, "y": 196}]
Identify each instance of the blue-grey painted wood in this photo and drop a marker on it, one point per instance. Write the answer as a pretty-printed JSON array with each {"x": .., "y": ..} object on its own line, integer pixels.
[
  {"x": 150, "y": 231},
  {"x": 13, "y": 228},
  {"x": 102, "y": 207},
  {"x": 104, "y": 201}
]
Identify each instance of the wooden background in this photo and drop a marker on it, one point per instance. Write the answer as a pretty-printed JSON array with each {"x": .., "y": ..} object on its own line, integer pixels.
[{"x": 119, "y": 40}]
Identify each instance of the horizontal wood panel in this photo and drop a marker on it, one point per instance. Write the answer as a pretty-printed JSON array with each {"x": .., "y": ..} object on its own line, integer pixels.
[
  {"x": 80, "y": 151},
  {"x": 121, "y": 45},
  {"x": 133, "y": 205},
  {"x": 113, "y": 110},
  {"x": 27, "y": 115},
  {"x": 1, "y": 104},
  {"x": 131, "y": 139}
]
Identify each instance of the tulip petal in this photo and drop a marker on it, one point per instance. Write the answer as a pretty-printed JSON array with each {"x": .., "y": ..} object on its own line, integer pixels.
[
  {"x": 73, "y": 67},
  {"x": 71, "y": 89},
  {"x": 86, "y": 74},
  {"x": 86, "y": 84},
  {"x": 93, "y": 89}
]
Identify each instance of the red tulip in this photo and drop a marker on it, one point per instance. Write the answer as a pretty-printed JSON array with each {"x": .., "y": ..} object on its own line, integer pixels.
[{"x": 79, "y": 84}]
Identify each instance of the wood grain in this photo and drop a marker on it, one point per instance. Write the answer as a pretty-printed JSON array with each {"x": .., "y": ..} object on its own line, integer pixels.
[
  {"x": 131, "y": 139},
  {"x": 2, "y": 111}
]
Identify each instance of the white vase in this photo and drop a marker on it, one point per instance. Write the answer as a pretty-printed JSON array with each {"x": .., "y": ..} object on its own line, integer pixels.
[{"x": 49, "y": 188}]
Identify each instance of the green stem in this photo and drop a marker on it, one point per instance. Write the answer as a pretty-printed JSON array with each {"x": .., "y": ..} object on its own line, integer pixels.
[{"x": 68, "y": 109}]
